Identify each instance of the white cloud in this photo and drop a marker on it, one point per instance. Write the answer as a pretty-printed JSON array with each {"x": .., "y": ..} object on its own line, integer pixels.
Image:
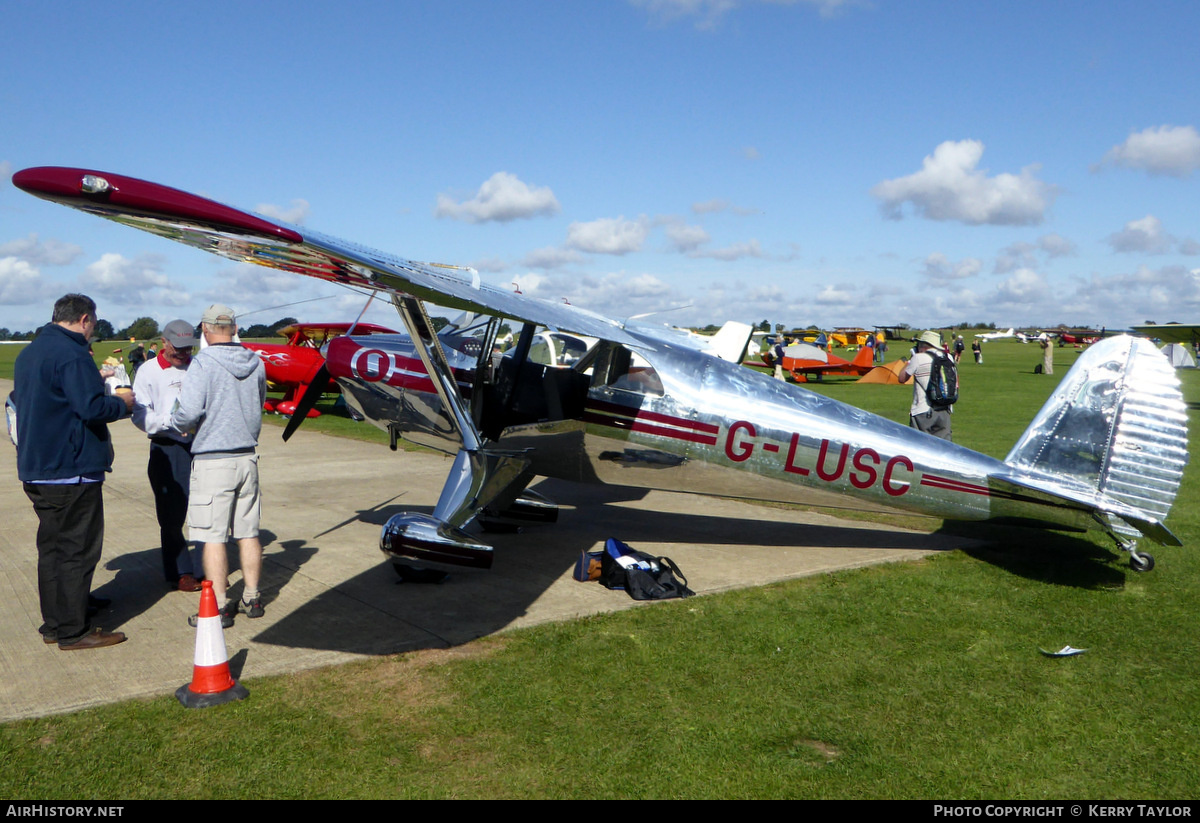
[
  {"x": 246, "y": 287},
  {"x": 950, "y": 187},
  {"x": 684, "y": 237},
  {"x": 502, "y": 197},
  {"x": 736, "y": 251},
  {"x": 939, "y": 268},
  {"x": 615, "y": 294},
  {"x": 1055, "y": 245},
  {"x": 295, "y": 213},
  {"x": 1024, "y": 255},
  {"x": 490, "y": 265},
  {"x": 20, "y": 282},
  {"x": 1025, "y": 288},
  {"x": 5, "y": 169},
  {"x": 1165, "y": 294},
  {"x": 1015, "y": 256},
  {"x": 45, "y": 253},
  {"x": 710, "y": 206},
  {"x": 551, "y": 257},
  {"x": 832, "y": 295},
  {"x": 1145, "y": 236},
  {"x": 137, "y": 282},
  {"x": 706, "y": 14},
  {"x": 608, "y": 235},
  {"x": 1170, "y": 150},
  {"x": 717, "y": 205},
  {"x": 751, "y": 153}
]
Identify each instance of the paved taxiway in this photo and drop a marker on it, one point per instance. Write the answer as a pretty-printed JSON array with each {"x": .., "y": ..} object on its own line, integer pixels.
[{"x": 331, "y": 596}]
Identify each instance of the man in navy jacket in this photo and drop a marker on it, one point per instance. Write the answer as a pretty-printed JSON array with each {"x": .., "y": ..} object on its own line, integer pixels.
[{"x": 63, "y": 454}]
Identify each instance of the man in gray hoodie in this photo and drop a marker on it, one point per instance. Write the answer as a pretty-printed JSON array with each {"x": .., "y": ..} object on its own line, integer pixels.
[{"x": 221, "y": 399}]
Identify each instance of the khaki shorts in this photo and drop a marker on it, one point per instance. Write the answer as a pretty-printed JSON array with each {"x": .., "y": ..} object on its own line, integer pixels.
[{"x": 224, "y": 500}]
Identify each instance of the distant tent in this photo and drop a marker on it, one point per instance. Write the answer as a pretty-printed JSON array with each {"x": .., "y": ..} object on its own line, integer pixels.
[
  {"x": 1179, "y": 356},
  {"x": 888, "y": 373}
]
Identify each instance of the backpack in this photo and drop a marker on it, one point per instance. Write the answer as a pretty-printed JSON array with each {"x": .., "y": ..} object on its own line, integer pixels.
[{"x": 941, "y": 390}]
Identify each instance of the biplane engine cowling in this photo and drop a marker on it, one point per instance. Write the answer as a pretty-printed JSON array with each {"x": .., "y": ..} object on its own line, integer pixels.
[{"x": 424, "y": 538}]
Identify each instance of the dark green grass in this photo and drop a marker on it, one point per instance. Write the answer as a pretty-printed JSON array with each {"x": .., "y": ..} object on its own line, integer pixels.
[{"x": 917, "y": 680}]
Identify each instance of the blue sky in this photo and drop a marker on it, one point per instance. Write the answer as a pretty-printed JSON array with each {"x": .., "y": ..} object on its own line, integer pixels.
[{"x": 825, "y": 162}]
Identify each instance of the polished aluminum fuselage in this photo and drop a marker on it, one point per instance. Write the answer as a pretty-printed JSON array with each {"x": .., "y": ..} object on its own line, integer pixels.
[{"x": 708, "y": 427}]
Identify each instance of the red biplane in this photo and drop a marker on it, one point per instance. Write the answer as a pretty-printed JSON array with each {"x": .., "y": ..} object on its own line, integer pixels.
[{"x": 293, "y": 366}]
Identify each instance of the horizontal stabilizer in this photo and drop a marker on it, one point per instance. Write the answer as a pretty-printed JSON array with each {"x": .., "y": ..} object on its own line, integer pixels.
[{"x": 1098, "y": 505}]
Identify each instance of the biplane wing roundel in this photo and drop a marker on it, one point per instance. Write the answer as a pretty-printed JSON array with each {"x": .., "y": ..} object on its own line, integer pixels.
[{"x": 250, "y": 238}]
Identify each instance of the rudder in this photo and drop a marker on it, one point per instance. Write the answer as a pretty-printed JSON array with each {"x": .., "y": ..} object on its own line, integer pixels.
[{"x": 1115, "y": 426}]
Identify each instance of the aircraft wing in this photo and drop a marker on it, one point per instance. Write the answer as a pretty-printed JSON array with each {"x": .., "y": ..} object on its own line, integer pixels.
[
  {"x": 340, "y": 328},
  {"x": 251, "y": 238},
  {"x": 1171, "y": 332}
]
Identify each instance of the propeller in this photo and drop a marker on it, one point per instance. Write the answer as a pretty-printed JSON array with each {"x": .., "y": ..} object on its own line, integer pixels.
[
  {"x": 309, "y": 399},
  {"x": 317, "y": 387}
]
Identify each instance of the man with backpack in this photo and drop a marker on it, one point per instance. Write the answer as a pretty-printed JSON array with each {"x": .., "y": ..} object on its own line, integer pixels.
[{"x": 935, "y": 386}]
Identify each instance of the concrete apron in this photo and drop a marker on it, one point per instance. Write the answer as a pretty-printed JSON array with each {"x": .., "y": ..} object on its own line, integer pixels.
[{"x": 330, "y": 595}]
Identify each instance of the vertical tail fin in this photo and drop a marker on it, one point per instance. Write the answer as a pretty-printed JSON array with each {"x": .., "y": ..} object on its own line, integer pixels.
[
  {"x": 866, "y": 355},
  {"x": 1115, "y": 427}
]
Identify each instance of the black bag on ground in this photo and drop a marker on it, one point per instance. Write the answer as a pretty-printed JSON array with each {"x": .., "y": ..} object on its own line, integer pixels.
[{"x": 643, "y": 576}]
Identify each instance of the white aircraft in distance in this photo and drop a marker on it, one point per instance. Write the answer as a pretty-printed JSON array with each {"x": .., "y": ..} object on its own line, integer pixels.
[
  {"x": 1035, "y": 338},
  {"x": 645, "y": 407},
  {"x": 997, "y": 335}
]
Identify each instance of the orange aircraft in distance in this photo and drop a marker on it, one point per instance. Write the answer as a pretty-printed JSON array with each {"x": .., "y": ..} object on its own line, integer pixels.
[{"x": 803, "y": 360}]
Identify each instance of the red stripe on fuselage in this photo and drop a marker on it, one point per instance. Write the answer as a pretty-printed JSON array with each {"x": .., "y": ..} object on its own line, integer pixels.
[
  {"x": 936, "y": 482},
  {"x": 681, "y": 422}
]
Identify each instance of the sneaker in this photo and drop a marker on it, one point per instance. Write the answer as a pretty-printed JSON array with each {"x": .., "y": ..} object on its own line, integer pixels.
[
  {"x": 226, "y": 613},
  {"x": 253, "y": 609}
]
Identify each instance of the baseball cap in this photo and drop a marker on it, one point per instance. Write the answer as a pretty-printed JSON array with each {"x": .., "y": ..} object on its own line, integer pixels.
[
  {"x": 179, "y": 333},
  {"x": 218, "y": 315}
]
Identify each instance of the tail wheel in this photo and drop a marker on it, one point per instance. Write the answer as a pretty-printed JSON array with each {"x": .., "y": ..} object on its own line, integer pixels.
[{"x": 1141, "y": 562}]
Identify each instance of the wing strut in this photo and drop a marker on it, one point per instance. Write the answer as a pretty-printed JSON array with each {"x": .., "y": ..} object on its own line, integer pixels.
[
  {"x": 429, "y": 349},
  {"x": 479, "y": 475}
]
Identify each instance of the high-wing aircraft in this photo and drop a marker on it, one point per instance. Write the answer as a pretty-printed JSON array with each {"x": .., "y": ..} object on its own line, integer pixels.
[
  {"x": 292, "y": 366},
  {"x": 647, "y": 408},
  {"x": 1186, "y": 333}
]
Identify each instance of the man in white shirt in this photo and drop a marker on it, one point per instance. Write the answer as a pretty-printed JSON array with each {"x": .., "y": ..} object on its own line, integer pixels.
[
  {"x": 157, "y": 387},
  {"x": 921, "y": 415}
]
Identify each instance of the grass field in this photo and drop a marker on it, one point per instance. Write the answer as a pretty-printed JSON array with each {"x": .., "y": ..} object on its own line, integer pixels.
[{"x": 919, "y": 680}]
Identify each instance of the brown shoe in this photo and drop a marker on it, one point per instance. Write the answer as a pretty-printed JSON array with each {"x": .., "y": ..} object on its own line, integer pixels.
[
  {"x": 188, "y": 583},
  {"x": 97, "y": 638}
]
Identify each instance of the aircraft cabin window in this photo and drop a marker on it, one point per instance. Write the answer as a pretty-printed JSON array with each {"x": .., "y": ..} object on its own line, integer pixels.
[{"x": 629, "y": 372}]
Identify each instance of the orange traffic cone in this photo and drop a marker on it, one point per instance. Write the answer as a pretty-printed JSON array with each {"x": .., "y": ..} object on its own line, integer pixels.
[{"x": 212, "y": 684}]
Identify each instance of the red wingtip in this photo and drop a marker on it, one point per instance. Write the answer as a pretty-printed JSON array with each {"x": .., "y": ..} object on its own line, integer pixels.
[{"x": 128, "y": 195}]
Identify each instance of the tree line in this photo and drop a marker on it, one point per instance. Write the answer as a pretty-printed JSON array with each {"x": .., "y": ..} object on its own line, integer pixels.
[{"x": 146, "y": 328}]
